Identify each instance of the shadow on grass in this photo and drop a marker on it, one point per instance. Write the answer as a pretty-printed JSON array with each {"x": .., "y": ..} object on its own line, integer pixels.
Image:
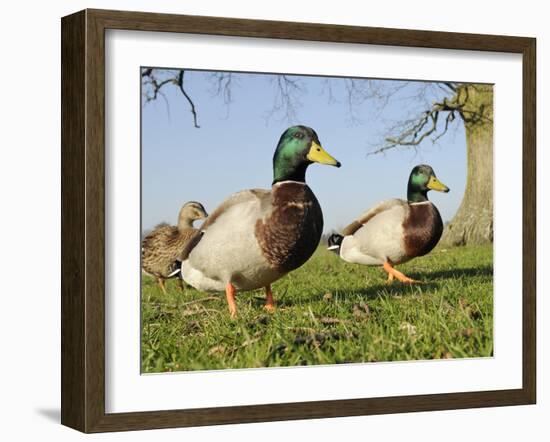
[
  {"x": 367, "y": 293},
  {"x": 455, "y": 273},
  {"x": 378, "y": 290},
  {"x": 430, "y": 281}
]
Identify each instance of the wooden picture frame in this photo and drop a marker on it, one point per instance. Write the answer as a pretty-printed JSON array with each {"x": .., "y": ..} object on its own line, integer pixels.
[{"x": 83, "y": 220}]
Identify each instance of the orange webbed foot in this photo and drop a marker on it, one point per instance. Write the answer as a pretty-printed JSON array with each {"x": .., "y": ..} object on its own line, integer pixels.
[{"x": 392, "y": 272}]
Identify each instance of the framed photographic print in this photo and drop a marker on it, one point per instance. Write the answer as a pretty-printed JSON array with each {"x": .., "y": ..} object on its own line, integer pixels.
[{"x": 270, "y": 220}]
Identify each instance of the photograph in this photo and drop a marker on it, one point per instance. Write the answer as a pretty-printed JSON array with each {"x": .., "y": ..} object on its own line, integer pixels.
[{"x": 302, "y": 220}]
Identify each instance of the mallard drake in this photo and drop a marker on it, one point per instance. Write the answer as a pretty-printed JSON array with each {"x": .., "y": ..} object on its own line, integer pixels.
[
  {"x": 395, "y": 231},
  {"x": 257, "y": 236},
  {"x": 161, "y": 249}
]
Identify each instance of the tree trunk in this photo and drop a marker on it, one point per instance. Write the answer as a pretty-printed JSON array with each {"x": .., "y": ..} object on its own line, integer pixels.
[{"x": 473, "y": 222}]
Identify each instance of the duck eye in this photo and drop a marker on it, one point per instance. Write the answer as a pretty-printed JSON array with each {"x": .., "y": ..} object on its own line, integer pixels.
[{"x": 299, "y": 135}]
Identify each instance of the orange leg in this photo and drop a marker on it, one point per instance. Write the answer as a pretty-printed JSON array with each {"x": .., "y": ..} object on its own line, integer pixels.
[
  {"x": 390, "y": 278},
  {"x": 161, "y": 284},
  {"x": 397, "y": 274},
  {"x": 230, "y": 295},
  {"x": 269, "y": 302}
]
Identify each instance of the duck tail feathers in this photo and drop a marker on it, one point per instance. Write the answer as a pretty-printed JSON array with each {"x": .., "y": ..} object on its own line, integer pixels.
[
  {"x": 334, "y": 242},
  {"x": 176, "y": 269}
]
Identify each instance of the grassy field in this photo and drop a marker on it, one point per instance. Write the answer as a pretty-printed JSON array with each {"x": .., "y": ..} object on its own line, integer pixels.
[{"x": 329, "y": 312}]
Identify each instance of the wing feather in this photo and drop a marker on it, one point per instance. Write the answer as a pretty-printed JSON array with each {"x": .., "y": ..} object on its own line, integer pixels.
[
  {"x": 162, "y": 248},
  {"x": 244, "y": 196},
  {"x": 371, "y": 213}
]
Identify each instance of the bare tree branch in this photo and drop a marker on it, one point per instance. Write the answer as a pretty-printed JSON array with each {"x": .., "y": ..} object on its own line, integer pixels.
[
  {"x": 154, "y": 80},
  {"x": 154, "y": 83},
  {"x": 414, "y": 131},
  {"x": 451, "y": 98},
  {"x": 287, "y": 101},
  {"x": 450, "y": 118},
  {"x": 451, "y": 86},
  {"x": 222, "y": 82},
  {"x": 327, "y": 88},
  {"x": 182, "y": 89}
]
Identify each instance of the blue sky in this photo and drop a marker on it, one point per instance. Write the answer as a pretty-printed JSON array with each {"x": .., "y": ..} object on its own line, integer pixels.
[{"x": 233, "y": 148}]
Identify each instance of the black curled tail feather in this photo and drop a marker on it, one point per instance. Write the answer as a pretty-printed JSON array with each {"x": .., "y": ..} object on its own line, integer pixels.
[
  {"x": 175, "y": 269},
  {"x": 334, "y": 242}
]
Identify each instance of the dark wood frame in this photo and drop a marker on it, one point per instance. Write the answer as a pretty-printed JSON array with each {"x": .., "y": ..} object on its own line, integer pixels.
[{"x": 83, "y": 220}]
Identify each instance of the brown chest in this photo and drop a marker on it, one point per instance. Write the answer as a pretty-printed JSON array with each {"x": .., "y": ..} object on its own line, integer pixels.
[
  {"x": 291, "y": 233},
  {"x": 422, "y": 229}
]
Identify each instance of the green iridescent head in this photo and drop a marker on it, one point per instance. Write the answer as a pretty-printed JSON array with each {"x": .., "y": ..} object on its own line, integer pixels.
[
  {"x": 298, "y": 147},
  {"x": 421, "y": 180}
]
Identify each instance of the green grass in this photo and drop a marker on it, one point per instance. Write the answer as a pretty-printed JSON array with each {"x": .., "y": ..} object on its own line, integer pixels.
[{"x": 329, "y": 312}]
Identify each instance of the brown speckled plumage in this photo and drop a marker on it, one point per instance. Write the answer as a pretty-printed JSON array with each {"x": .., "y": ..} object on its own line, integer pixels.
[
  {"x": 161, "y": 250},
  {"x": 422, "y": 229},
  {"x": 255, "y": 237},
  {"x": 291, "y": 233}
]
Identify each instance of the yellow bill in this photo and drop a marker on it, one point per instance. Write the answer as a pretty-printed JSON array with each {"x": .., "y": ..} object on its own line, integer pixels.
[
  {"x": 435, "y": 184},
  {"x": 319, "y": 155}
]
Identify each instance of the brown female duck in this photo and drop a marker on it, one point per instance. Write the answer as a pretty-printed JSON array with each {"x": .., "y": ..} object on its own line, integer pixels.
[{"x": 161, "y": 249}]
